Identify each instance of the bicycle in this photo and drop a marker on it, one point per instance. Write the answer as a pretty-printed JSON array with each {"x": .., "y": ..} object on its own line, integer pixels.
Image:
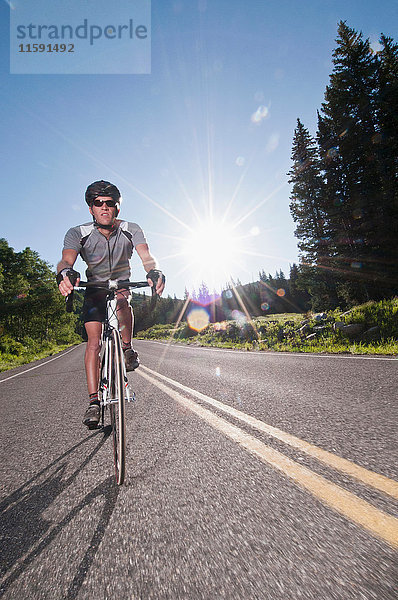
[{"x": 114, "y": 389}]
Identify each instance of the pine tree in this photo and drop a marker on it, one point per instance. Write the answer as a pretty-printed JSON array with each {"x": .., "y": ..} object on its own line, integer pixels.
[
  {"x": 346, "y": 130},
  {"x": 297, "y": 295},
  {"x": 386, "y": 145},
  {"x": 262, "y": 275},
  {"x": 310, "y": 214},
  {"x": 306, "y": 196}
]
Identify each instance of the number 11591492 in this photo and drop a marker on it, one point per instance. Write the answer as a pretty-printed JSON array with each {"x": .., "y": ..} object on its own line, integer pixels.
[{"x": 46, "y": 48}]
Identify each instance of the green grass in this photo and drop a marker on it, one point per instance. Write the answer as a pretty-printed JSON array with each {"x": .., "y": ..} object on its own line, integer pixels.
[
  {"x": 281, "y": 332},
  {"x": 281, "y": 318},
  {"x": 10, "y": 361}
]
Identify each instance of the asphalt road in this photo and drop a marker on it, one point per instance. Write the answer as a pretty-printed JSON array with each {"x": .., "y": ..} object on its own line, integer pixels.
[{"x": 228, "y": 493}]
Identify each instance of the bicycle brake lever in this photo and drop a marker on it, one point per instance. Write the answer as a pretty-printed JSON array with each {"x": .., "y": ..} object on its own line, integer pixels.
[
  {"x": 69, "y": 299},
  {"x": 69, "y": 302},
  {"x": 154, "y": 298}
]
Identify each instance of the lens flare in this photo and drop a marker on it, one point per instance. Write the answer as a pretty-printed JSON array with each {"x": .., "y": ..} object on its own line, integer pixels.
[
  {"x": 261, "y": 113},
  {"x": 332, "y": 152},
  {"x": 265, "y": 306},
  {"x": 281, "y": 292},
  {"x": 273, "y": 143},
  {"x": 198, "y": 319},
  {"x": 356, "y": 265},
  {"x": 239, "y": 317}
]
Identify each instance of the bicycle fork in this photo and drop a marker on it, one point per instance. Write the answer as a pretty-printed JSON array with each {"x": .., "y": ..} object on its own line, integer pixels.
[{"x": 105, "y": 383}]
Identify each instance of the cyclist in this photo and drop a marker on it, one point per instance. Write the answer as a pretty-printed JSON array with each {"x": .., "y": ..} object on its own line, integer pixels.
[{"x": 106, "y": 245}]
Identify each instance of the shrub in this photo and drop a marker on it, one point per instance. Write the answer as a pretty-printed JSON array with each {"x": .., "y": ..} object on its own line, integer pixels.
[
  {"x": 383, "y": 314},
  {"x": 10, "y": 346}
]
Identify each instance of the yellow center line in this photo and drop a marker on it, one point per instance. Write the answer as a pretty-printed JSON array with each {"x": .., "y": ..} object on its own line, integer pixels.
[
  {"x": 375, "y": 480},
  {"x": 361, "y": 512}
]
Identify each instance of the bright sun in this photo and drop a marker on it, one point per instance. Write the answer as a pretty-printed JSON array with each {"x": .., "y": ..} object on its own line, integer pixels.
[{"x": 211, "y": 252}]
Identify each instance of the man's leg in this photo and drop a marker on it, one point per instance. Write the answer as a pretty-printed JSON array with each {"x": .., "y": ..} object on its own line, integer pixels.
[
  {"x": 126, "y": 322},
  {"x": 125, "y": 317},
  {"x": 91, "y": 357},
  {"x": 91, "y": 361}
]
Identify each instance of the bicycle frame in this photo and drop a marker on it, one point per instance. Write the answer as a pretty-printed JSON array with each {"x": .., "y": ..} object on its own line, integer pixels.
[{"x": 111, "y": 323}]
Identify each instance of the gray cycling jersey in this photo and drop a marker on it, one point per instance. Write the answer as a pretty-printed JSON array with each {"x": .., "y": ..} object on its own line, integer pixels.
[{"x": 106, "y": 259}]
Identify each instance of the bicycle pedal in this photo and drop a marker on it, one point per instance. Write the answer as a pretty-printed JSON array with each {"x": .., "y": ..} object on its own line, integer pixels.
[{"x": 132, "y": 398}]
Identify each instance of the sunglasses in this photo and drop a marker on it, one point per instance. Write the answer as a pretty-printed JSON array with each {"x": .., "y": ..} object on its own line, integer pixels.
[{"x": 110, "y": 203}]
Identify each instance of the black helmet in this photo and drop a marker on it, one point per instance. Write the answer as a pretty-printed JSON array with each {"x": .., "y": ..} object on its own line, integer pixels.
[{"x": 102, "y": 188}]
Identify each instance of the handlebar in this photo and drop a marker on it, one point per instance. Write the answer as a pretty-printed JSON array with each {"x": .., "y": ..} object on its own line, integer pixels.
[{"x": 111, "y": 285}]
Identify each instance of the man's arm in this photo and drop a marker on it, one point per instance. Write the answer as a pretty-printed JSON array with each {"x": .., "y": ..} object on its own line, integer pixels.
[
  {"x": 149, "y": 262},
  {"x": 68, "y": 260}
]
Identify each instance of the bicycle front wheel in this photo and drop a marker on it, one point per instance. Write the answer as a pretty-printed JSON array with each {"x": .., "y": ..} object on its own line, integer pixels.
[{"x": 117, "y": 408}]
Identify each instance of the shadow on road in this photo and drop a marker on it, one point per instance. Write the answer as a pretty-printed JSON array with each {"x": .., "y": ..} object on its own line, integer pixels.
[{"x": 24, "y": 533}]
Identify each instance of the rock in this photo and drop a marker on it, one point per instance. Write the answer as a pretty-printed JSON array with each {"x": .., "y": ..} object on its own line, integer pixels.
[
  {"x": 352, "y": 330},
  {"x": 320, "y": 317},
  {"x": 371, "y": 334}
]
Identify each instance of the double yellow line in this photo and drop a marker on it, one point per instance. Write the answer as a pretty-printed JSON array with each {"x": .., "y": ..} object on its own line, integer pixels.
[{"x": 346, "y": 503}]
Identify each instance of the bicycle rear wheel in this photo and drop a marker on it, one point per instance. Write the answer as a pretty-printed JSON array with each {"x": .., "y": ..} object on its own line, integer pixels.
[{"x": 117, "y": 407}]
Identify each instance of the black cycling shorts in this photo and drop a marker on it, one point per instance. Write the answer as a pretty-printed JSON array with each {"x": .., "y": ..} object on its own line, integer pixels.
[{"x": 94, "y": 305}]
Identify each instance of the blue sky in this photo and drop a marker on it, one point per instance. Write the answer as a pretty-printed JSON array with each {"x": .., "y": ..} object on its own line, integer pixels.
[{"x": 183, "y": 144}]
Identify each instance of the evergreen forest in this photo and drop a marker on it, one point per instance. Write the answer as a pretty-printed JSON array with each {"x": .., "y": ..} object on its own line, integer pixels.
[{"x": 344, "y": 198}]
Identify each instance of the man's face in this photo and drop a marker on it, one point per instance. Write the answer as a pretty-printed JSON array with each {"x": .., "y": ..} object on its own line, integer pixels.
[{"x": 103, "y": 214}]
